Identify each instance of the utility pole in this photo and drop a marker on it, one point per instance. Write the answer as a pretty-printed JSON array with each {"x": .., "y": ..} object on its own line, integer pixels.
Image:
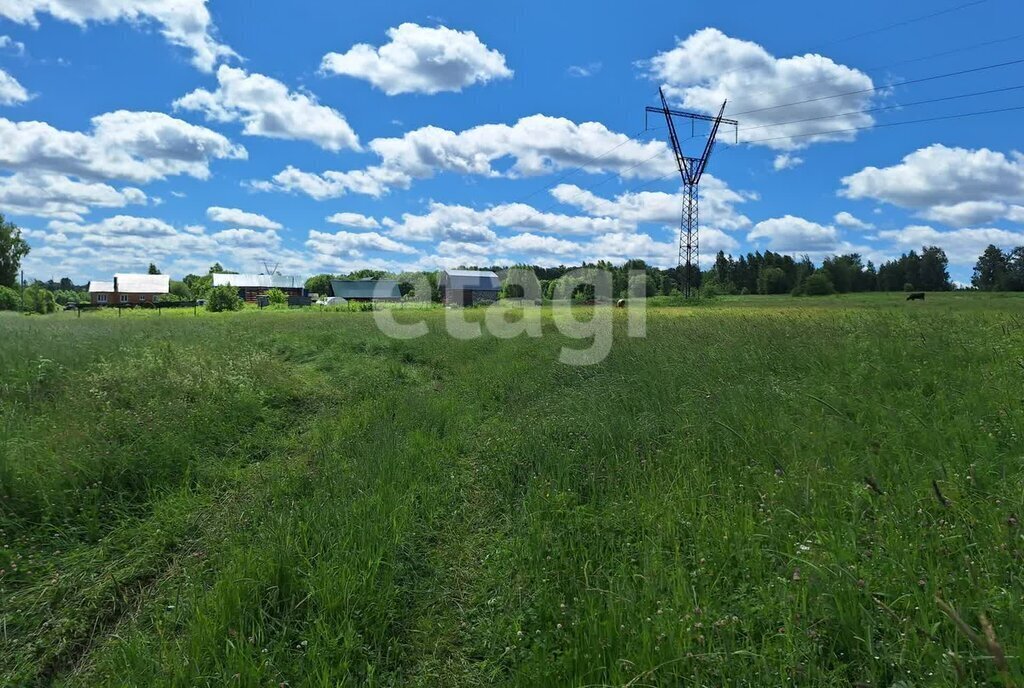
[
  {"x": 690, "y": 170},
  {"x": 22, "y": 291}
]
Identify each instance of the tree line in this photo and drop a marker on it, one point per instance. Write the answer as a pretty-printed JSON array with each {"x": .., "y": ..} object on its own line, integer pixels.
[
  {"x": 750, "y": 273},
  {"x": 998, "y": 270}
]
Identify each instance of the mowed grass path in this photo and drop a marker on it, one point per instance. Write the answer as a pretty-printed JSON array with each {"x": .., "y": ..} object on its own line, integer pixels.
[{"x": 760, "y": 492}]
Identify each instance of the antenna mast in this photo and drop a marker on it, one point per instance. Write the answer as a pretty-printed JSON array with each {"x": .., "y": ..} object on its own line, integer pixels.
[{"x": 690, "y": 170}]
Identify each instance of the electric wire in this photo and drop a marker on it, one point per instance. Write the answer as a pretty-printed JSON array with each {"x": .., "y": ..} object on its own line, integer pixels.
[
  {"x": 883, "y": 108},
  {"x": 890, "y": 124},
  {"x": 905, "y": 82},
  {"x": 903, "y": 23},
  {"x": 913, "y": 60}
]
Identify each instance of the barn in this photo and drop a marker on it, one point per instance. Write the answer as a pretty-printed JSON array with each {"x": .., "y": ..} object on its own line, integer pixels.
[
  {"x": 468, "y": 287},
  {"x": 366, "y": 290},
  {"x": 128, "y": 290},
  {"x": 250, "y": 287}
]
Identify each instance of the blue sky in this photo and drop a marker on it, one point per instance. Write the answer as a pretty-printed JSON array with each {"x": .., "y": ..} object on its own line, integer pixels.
[{"x": 326, "y": 138}]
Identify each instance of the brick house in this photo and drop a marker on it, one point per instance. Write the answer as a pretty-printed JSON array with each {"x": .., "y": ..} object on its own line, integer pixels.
[{"x": 129, "y": 290}]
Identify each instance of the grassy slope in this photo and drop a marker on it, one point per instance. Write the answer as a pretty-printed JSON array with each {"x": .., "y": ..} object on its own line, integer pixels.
[{"x": 275, "y": 497}]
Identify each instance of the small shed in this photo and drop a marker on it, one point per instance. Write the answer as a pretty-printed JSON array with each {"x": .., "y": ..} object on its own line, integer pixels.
[
  {"x": 129, "y": 289},
  {"x": 366, "y": 290},
  {"x": 251, "y": 287},
  {"x": 468, "y": 287}
]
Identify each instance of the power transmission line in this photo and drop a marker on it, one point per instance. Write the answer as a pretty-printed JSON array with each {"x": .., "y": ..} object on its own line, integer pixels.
[
  {"x": 615, "y": 174},
  {"x": 905, "y": 82},
  {"x": 905, "y": 22},
  {"x": 923, "y": 58},
  {"x": 886, "y": 107},
  {"x": 636, "y": 136},
  {"x": 889, "y": 124}
]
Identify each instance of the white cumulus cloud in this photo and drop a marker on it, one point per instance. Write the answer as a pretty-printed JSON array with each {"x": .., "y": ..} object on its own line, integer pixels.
[
  {"x": 534, "y": 145},
  {"x": 352, "y": 244},
  {"x": 60, "y": 197},
  {"x": 465, "y": 224},
  {"x": 791, "y": 234},
  {"x": 11, "y": 92},
  {"x": 354, "y": 220},
  {"x": 184, "y": 23},
  {"x": 249, "y": 238},
  {"x": 786, "y": 161},
  {"x": 134, "y": 146},
  {"x": 845, "y": 219},
  {"x": 8, "y": 43},
  {"x": 267, "y": 108},
  {"x": 962, "y": 246},
  {"x": 420, "y": 59},
  {"x": 710, "y": 67},
  {"x": 717, "y": 204},
  {"x": 126, "y": 243},
  {"x": 955, "y": 186},
  {"x": 241, "y": 218}
]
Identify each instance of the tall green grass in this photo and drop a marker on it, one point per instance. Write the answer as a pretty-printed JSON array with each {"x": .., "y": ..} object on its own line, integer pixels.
[{"x": 760, "y": 492}]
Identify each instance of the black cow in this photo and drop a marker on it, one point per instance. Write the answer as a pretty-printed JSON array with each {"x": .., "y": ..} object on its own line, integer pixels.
[{"x": 916, "y": 296}]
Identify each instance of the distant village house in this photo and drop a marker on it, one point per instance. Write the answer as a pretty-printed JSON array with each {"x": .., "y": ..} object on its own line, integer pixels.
[
  {"x": 129, "y": 290},
  {"x": 251, "y": 287},
  {"x": 468, "y": 287},
  {"x": 366, "y": 290}
]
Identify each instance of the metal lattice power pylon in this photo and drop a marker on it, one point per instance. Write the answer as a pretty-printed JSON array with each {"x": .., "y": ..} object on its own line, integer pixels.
[{"x": 690, "y": 170}]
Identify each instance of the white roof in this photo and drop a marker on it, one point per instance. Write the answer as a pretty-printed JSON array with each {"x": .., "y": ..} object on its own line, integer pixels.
[
  {"x": 471, "y": 273},
  {"x": 265, "y": 281},
  {"x": 97, "y": 286},
  {"x": 474, "y": 280},
  {"x": 142, "y": 284}
]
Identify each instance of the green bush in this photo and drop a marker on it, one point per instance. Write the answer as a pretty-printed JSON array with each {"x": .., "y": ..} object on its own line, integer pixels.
[
  {"x": 10, "y": 300},
  {"x": 908, "y": 287},
  {"x": 40, "y": 300},
  {"x": 819, "y": 284},
  {"x": 224, "y": 298},
  {"x": 179, "y": 291},
  {"x": 277, "y": 297}
]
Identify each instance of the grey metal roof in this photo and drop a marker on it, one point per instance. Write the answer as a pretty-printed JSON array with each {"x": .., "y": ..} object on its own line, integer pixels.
[
  {"x": 366, "y": 289},
  {"x": 101, "y": 286},
  {"x": 125, "y": 283},
  {"x": 475, "y": 280},
  {"x": 257, "y": 281}
]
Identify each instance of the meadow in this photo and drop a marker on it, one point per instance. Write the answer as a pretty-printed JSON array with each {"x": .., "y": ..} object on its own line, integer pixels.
[{"x": 762, "y": 491}]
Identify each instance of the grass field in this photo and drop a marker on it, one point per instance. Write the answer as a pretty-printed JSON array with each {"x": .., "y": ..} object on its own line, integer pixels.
[{"x": 763, "y": 491}]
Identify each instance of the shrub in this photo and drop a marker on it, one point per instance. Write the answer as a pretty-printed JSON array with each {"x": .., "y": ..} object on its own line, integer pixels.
[
  {"x": 710, "y": 288},
  {"x": 819, "y": 284},
  {"x": 40, "y": 300},
  {"x": 277, "y": 297},
  {"x": 179, "y": 291},
  {"x": 908, "y": 287},
  {"x": 10, "y": 300},
  {"x": 223, "y": 298}
]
